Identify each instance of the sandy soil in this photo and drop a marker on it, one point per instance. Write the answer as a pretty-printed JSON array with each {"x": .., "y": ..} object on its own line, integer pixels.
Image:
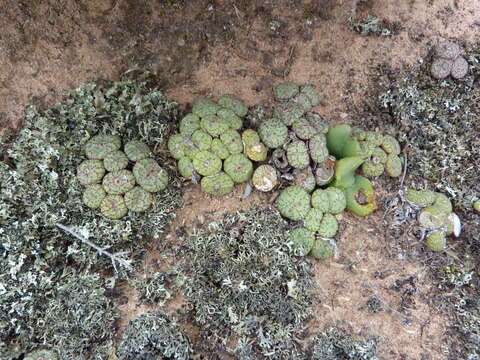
[{"x": 208, "y": 48}]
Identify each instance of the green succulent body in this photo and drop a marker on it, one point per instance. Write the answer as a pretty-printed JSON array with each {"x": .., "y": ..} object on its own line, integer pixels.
[
  {"x": 318, "y": 122},
  {"x": 303, "y": 101},
  {"x": 238, "y": 167},
  {"x": 176, "y": 146},
  {"x": 379, "y": 155},
  {"x": 476, "y": 206},
  {"x": 318, "y": 148},
  {"x": 41, "y": 355},
  {"x": 150, "y": 176},
  {"x": 303, "y": 129},
  {"x": 256, "y": 151},
  {"x": 189, "y": 124},
  {"x": 294, "y": 203},
  {"x": 273, "y": 133},
  {"x": 90, "y": 172},
  {"x": 265, "y": 178},
  {"x": 442, "y": 202},
  {"x": 115, "y": 161},
  {"x": 138, "y": 199},
  {"x": 250, "y": 136},
  {"x": 207, "y": 163},
  {"x": 136, "y": 150},
  {"x": 202, "y": 140},
  {"x": 113, "y": 207},
  {"x": 436, "y": 240},
  {"x": 233, "y": 103},
  {"x": 374, "y": 137},
  {"x": 371, "y": 168},
  {"x": 288, "y": 112},
  {"x": 432, "y": 217},
  {"x": 390, "y": 145},
  {"x": 118, "y": 182},
  {"x": 313, "y": 220},
  {"x": 233, "y": 120},
  {"x": 233, "y": 141},
  {"x": 219, "y": 184},
  {"x": 302, "y": 240},
  {"x": 359, "y": 134},
  {"x": 204, "y": 107},
  {"x": 310, "y": 92},
  {"x": 185, "y": 167},
  {"x": 328, "y": 226},
  {"x": 93, "y": 196},
  {"x": 100, "y": 146},
  {"x": 322, "y": 249},
  {"x": 297, "y": 154},
  {"x": 285, "y": 91},
  {"x": 321, "y": 200},
  {"x": 305, "y": 178},
  {"x": 360, "y": 189},
  {"x": 214, "y": 125},
  {"x": 393, "y": 166},
  {"x": 219, "y": 149},
  {"x": 337, "y": 137},
  {"x": 421, "y": 197},
  {"x": 336, "y": 200}
]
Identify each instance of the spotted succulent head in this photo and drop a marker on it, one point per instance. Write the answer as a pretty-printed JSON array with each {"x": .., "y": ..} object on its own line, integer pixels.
[
  {"x": 90, "y": 172},
  {"x": 328, "y": 226},
  {"x": 393, "y": 166},
  {"x": 219, "y": 184},
  {"x": 305, "y": 178},
  {"x": 113, "y": 207},
  {"x": 204, "y": 107},
  {"x": 273, "y": 133},
  {"x": 233, "y": 141},
  {"x": 313, "y": 219},
  {"x": 293, "y": 202},
  {"x": 233, "y": 120},
  {"x": 116, "y": 160},
  {"x": 150, "y": 176},
  {"x": 317, "y": 147},
  {"x": 323, "y": 249},
  {"x": 302, "y": 240},
  {"x": 100, "y": 146},
  {"x": 233, "y": 103},
  {"x": 297, "y": 154},
  {"x": 214, "y": 125},
  {"x": 189, "y": 124},
  {"x": 285, "y": 91},
  {"x": 94, "y": 195},
  {"x": 265, "y": 178},
  {"x": 206, "y": 163},
  {"x": 238, "y": 167},
  {"x": 137, "y": 199},
  {"x": 118, "y": 182},
  {"x": 136, "y": 150}
]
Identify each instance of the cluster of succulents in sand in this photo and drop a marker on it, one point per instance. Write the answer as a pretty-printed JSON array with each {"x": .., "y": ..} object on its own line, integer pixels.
[
  {"x": 435, "y": 217},
  {"x": 117, "y": 180},
  {"x": 448, "y": 61},
  {"x": 211, "y": 148}
]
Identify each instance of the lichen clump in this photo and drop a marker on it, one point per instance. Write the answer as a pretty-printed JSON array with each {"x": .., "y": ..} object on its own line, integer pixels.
[
  {"x": 51, "y": 297},
  {"x": 211, "y": 148},
  {"x": 104, "y": 153}
]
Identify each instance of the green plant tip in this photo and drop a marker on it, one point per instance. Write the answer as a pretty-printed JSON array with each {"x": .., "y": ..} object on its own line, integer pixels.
[
  {"x": 390, "y": 145},
  {"x": 265, "y": 178},
  {"x": 238, "y": 167},
  {"x": 93, "y": 195},
  {"x": 297, "y": 154},
  {"x": 303, "y": 129},
  {"x": 273, "y": 133},
  {"x": 393, "y": 166},
  {"x": 138, "y": 199},
  {"x": 100, "y": 146},
  {"x": 233, "y": 103},
  {"x": 204, "y": 107},
  {"x": 250, "y": 136},
  {"x": 219, "y": 184},
  {"x": 202, "y": 140},
  {"x": 305, "y": 178},
  {"x": 436, "y": 241},
  {"x": 318, "y": 148},
  {"x": 118, "y": 182},
  {"x": 115, "y": 161},
  {"x": 189, "y": 124},
  {"x": 90, "y": 172},
  {"x": 176, "y": 146},
  {"x": 302, "y": 241},
  {"x": 214, "y": 125},
  {"x": 113, "y": 207},
  {"x": 137, "y": 150},
  {"x": 285, "y": 91},
  {"x": 313, "y": 220},
  {"x": 293, "y": 203},
  {"x": 206, "y": 163},
  {"x": 322, "y": 249},
  {"x": 150, "y": 176},
  {"x": 233, "y": 141},
  {"x": 234, "y": 121},
  {"x": 421, "y": 197},
  {"x": 219, "y": 149},
  {"x": 256, "y": 152},
  {"x": 328, "y": 226},
  {"x": 185, "y": 167},
  {"x": 288, "y": 112}
]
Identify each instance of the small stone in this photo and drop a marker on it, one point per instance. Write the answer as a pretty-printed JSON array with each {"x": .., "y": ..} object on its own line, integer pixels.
[
  {"x": 90, "y": 172},
  {"x": 302, "y": 241},
  {"x": 115, "y": 161},
  {"x": 150, "y": 175},
  {"x": 137, "y": 150},
  {"x": 113, "y": 207},
  {"x": 93, "y": 196},
  {"x": 265, "y": 178},
  {"x": 138, "y": 199},
  {"x": 118, "y": 182},
  {"x": 441, "y": 68},
  {"x": 459, "y": 68}
]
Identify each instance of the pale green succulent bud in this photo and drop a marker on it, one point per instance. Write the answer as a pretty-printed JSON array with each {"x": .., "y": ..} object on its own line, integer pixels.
[
  {"x": 113, "y": 207},
  {"x": 294, "y": 203},
  {"x": 137, "y": 150},
  {"x": 393, "y": 166},
  {"x": 219, "y": 149},
  {"x": 391, "y": 145},
  {"x": 138, "y": 199},
  {"x": 205, "y": 163},
  {"x": 204, "y": 107},
  {"x": 176, "y": 146},
  {"x": 219, "y": 184},
  {"x": 285, "y": 91},
  {"x": 238, "y": 167},
  {"x": 189, "y": 124},
  {"x": 90, "y": 172},
  {"x": 202, "y": 140},
  {"x": 100, "y": 146},
  {"x": 214, "y": 125},
  {"x": 150, "y": 176},
  {"x": 302, "y": 241},
  {"x": 233, "y": 141},
  {"x": 313, "y": 220},
  {"x": 329, "y": 226},
  {"x": 233, "y": 103},
  {"x": 115, "y": 161},
  {"x": 322, "y": 249},
  {"x": 436, "y": 240},
  {"x": 185, "y": 167},
  {"x": 421, "y": 197},
  {"x": 234, "y": 122},
  {"x": 93, "y": 196}
]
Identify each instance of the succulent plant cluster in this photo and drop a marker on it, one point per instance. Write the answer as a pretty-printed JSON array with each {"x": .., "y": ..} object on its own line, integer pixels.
[
  {"x": 435, "y": 217},
  {"x": 210, "y": 145},
  {"x": 448, "y": 61},
  {"x": 117, "y": 181}
]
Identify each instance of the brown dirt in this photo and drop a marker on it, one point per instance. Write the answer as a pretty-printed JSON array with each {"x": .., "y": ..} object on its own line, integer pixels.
[{"x": 208, "y": 48}]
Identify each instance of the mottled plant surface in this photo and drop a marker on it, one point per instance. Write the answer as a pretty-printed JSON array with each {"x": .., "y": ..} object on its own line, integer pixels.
[
  {"x": 249, "y": 295},
  {"x": 40, "y": 189}
]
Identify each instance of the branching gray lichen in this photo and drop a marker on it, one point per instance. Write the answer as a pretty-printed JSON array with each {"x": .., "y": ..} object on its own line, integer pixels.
[
  {"x": 244, "y": 284},
  {"x": 39, "y": 189}
]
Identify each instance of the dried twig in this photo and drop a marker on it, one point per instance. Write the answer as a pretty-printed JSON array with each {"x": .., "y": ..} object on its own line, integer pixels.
[{"x": 115, "y": 258}]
